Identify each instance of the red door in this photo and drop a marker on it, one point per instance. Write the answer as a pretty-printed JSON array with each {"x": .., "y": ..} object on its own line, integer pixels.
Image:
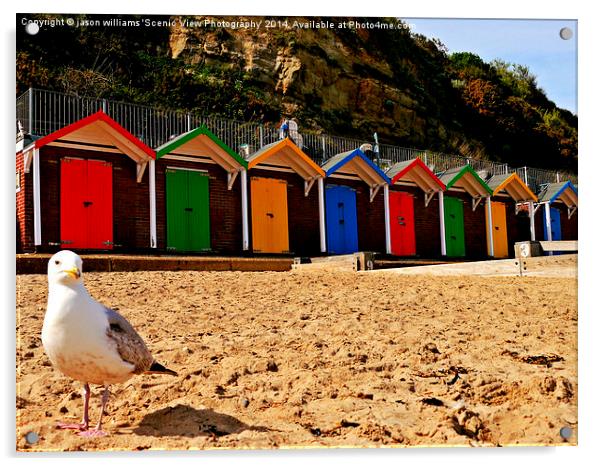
[
  {"x": 73, "y": 194},
  {"x": 403, "y": 236},
  {"x": 86, "y": 204},
  {"x": 100, "y": 205}
]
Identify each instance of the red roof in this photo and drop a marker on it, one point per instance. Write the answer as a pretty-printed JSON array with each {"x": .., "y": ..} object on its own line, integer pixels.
[
  {"x": 118, "y": 131},
  {"x": 406, "y": 167}
]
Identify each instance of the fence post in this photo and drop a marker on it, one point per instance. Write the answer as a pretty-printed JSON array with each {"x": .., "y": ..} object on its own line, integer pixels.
[
  {"x": 30, "y": 111},
  {"x": 426, "y": 158},
  {"x": 104, "y": 105},
  {"x": 188, "y": 122},
  {"x": 323, "y": 148},
  {"x": 557, "y": 177},
  {"x": 261, "y": 135}
]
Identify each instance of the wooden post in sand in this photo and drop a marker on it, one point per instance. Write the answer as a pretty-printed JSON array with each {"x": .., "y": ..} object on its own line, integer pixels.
[
  {"x": 442, "y": 223},
  {"x": 245, "y": 210},
  {"x": 322, "y": 214},
  {"x": 387, "y": 220},
  {"x": 152, "y": 203},
  {"x": 37, "y": 209},
  {"x": 532, "y": 220},
  {"x": 548, "y": 221},
  {"x": 490, "y": 228}
]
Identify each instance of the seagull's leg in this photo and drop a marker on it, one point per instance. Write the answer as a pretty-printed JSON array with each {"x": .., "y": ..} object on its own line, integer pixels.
[
  {"x": 85, "y": 420},
  {"x": 105, "y": 398},
  {"x": 97, "y": 431}
]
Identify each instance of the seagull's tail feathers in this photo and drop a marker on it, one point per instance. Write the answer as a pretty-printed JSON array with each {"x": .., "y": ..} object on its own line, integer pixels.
[{"x": 157, "y": 368}]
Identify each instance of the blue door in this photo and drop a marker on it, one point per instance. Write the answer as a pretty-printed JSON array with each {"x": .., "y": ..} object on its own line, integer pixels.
[
  {"x": 341, "y": 220},
  {"x": 555, "y": 222}
]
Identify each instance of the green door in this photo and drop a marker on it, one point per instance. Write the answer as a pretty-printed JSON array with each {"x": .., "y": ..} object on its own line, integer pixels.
[
  {"x": 454, "y": 227},
  {"x": 187, "y": 210}
]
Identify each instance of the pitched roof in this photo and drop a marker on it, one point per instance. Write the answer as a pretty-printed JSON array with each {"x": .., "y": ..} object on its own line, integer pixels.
[
  {"x": 513, "y": 186},
  {"x": 565, "y": 192},
  {"x": 357, "y": 163},
  {"x": 100, "y": 129},
  {"x": 286, "y": 153},
  {"x": 201, "y": 142},
  {"x": 417, "y": 172},
  {"x": 466, "y": 178}
]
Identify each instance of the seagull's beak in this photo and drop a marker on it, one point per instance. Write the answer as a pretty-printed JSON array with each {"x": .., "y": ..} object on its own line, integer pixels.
[{"x": 74, "y": 272}]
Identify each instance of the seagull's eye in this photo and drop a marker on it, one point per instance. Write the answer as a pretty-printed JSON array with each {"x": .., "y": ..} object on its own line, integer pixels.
[{"x": 57, "y": 262}]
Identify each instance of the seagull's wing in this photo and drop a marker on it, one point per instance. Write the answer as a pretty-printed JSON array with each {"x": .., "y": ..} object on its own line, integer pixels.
[{"x": 129, "y": 344}]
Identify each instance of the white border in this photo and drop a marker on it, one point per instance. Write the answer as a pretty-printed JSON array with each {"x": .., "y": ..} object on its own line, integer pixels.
[{"x": 590, "y": 321}]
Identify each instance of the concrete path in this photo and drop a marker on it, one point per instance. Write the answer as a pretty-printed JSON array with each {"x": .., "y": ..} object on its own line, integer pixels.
[{"x": 564, "y": 266}]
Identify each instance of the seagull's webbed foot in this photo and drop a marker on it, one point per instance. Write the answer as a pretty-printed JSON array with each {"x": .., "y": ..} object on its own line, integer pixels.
[
  {"x": 92, "y": 433},
  {"x": 68, "y": 426},
  {"x": 97, "y": 431},
  {"x": 82, "y": 426}
]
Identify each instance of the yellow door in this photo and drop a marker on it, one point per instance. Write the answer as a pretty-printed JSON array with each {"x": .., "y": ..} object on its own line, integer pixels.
[
  {"x": 269, "y": 215},
  {"x": 500, "y": 235}
]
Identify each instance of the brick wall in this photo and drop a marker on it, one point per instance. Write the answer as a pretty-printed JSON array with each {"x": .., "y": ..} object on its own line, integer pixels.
[
  {"x": 370, "y": 215},
  {"x": 517, "y": 225},
  {"x": 568, "y": 227},
  {"x": 24, "y": 209},
  {"x": 303, "y": 212},
  {"x": 475, "y": 229},
  {"x": 426, "y": 222},
  {"x": 225, "y": 212},
  {"x": 131, "y": 211}
]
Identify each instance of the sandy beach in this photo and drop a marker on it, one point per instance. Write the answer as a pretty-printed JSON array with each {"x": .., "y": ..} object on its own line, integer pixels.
[{"x": 317, "y": 359}]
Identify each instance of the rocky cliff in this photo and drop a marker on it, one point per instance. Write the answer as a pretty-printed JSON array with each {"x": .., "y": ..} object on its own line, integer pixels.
[
  {"x": 338, "y": 81},
  {"x": 350, "y": 82}
]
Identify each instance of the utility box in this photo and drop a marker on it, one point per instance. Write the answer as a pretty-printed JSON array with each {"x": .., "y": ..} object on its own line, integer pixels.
[{"x": 527, "y": 249}]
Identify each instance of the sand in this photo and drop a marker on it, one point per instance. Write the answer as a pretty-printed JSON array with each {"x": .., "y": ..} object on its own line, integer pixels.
[{"x": 318, "y": 359}]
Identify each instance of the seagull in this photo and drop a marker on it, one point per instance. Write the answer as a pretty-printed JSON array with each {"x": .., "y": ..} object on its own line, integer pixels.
[{"x": 87, "y": 341}]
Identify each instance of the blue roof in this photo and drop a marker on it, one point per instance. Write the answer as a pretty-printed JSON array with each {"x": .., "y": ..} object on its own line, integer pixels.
[
  {"x": 554, "y": 190},
  {"x": 333, "y": 164}
]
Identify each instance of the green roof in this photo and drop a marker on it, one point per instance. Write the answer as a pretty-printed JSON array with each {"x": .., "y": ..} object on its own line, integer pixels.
[
  {"x": 202, "y": 130},
  {"x": 454, "y": 175}
]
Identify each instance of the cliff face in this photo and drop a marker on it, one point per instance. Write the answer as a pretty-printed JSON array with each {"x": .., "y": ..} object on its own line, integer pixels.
[
  {"x": 348, "y": 82},
  {"x": 321, "y": 77}
]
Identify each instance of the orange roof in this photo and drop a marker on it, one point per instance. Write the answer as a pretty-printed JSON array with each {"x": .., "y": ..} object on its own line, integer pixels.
[
  {"x": 286, "y": 153},
  {"x": 513, "y": 185}
]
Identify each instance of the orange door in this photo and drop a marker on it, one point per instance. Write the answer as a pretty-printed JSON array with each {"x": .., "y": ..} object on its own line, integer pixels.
[
  {"x": 269, "y": 215},
  {"x": 500, "y": 236}
]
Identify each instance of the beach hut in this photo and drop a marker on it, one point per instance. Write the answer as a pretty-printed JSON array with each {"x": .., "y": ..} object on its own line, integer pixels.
[
  {"x": 286, "y": 213},
  {"x": 83, "y": 187},
  {"x": 200, "y": 204},
  {"x": 415, "y": 222},
  {"x": 355, "y": 207},
  {"x": 557, "y": 222},
  {"x": 465, "y": 228},
  {"x": 512, "y": 214}
]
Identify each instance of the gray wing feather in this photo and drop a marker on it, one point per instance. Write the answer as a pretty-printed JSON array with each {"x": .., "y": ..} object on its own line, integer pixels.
[{"x": 129, "y": 344}]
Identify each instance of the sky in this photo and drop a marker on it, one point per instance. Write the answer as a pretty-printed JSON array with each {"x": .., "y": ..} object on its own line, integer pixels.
[{"x": 534, "y": 43}]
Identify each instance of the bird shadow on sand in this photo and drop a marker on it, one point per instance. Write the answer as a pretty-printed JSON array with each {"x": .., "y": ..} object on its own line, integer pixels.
[{"x": 186, "y": 421}]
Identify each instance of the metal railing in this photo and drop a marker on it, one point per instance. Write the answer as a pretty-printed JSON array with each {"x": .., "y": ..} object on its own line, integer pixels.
[
  {"x": 537, "y": 177},
  {"x": 41, "y": 112}
]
